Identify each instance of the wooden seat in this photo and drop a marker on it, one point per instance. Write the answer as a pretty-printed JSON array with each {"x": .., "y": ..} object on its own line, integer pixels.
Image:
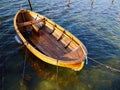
[
  {"x": 30, "y": 22},
  {"x": 38, "y": 26}
]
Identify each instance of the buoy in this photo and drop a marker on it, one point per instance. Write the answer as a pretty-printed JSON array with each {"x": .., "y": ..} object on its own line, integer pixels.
[{"x": 18, "y": 40}]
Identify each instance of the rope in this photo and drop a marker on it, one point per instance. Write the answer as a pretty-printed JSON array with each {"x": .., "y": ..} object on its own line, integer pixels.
[
  {"x": 106, "y": 66},
  {"x": 2, "y": 79},
  {"x": 57, "y": 75},
  {"x": 30, "y": 5},
  {"x": 23, "y": 74}
]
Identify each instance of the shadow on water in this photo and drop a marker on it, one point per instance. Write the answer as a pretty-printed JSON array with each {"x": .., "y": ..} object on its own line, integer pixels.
[
  {"x": 10, "y": 69},
  {"x": 47, "y": 76},
  {"x": 38, "y": 74},
  {"x": 44, "y": 75}
]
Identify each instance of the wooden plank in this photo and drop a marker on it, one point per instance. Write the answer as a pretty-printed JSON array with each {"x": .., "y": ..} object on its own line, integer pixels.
[
  {"x": 48, "y": 44},
  {"x": 57, "y": 33},
  {"x": 53, "y": 45},
  {"x": 61, "y": 36},
  {"x": 52, "y": 27},
  {"x": 76, "y": 54},
  {"x": 42, "y": 46},
  {"x": 30, "y": 22},
  {"x": 57, "y": 43}
]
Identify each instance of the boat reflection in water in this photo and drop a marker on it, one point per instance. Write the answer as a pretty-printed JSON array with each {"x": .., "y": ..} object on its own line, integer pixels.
[{"x": 49, "y": 76}]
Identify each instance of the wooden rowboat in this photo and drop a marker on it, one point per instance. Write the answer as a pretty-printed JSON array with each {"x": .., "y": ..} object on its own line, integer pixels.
[{"x": 48, "y": 41}]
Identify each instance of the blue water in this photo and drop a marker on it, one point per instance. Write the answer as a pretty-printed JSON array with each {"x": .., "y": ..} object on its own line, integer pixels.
[{"x": 98, "y": 27}]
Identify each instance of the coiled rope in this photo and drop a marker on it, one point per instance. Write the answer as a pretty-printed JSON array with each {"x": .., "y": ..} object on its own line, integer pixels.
[{"x": 106, "y": 66}]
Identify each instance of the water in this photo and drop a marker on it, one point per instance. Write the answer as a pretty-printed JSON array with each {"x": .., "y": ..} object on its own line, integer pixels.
[{"x": 98, "y": 27}]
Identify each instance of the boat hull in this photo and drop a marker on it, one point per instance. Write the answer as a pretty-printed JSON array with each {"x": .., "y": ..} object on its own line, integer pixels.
[{"x": 73, "y": 64}]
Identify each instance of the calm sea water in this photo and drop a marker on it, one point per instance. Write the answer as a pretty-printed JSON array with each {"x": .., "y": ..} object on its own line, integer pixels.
[{"x": 98, "y": 28}]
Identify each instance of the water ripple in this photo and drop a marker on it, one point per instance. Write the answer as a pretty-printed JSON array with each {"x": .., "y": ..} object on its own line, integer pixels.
[{"x": 98, "y": 28}]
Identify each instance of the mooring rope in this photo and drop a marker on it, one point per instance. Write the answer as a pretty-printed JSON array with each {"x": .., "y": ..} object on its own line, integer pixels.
[
  {"x": 57, "y": 75},
  {"x": 23, "y": 74},
  {"x": 30, "y": 5},
  {"x": 2, "y": 79},
  {"x": 106, "y": 66}
]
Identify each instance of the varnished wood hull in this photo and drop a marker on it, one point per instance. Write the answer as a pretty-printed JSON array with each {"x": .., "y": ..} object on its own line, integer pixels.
[{"x": 49, "y": 41}]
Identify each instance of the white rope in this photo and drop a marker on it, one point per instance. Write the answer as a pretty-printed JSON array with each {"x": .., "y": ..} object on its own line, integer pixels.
[{"x": 106, "y": 66}]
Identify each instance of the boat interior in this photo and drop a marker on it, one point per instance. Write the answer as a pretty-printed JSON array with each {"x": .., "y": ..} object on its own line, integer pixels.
[{"x": 48, "y": 37}]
